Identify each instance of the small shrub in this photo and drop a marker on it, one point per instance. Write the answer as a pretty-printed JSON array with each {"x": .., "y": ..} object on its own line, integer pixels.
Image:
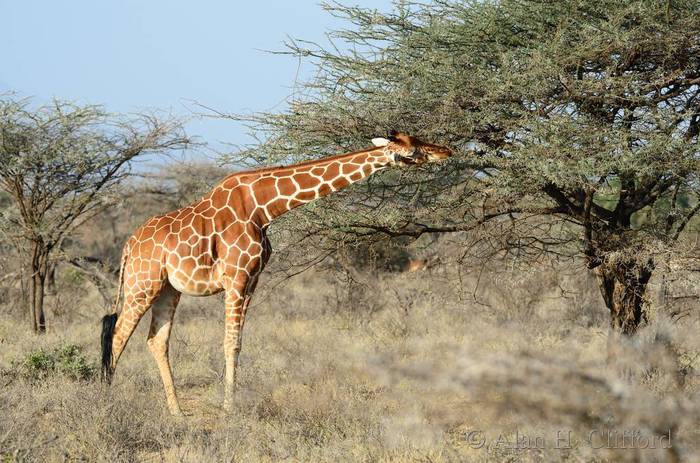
[
  {"x": 67, "y": 361},
  {"x": 73, "y": 364}
]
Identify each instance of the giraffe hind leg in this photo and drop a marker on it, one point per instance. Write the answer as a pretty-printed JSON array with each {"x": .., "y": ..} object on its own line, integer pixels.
[
  {"x": 124, "y": 326},
  {"x": 162, "y": 314}
]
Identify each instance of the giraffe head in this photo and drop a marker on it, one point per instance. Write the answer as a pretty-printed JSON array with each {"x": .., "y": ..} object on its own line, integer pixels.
[{"x": 404, "y": 149}]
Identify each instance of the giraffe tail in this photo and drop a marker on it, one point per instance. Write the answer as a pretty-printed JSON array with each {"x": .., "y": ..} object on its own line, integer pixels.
[{"x": 109, "y": 322}]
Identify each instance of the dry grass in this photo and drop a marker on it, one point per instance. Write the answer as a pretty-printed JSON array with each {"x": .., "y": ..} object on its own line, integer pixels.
[{"x": 408, "y": 369}]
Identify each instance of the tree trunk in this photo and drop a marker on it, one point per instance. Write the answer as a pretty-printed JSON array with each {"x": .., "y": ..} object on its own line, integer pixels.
[
  {"x": 623, "y": 284},
  {"x": 51, "y": 279},
  {"x": 39, "y": 270}
]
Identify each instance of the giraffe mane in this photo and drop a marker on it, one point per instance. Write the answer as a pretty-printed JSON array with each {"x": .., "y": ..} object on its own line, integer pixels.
[{"x": 310, "y": 162}]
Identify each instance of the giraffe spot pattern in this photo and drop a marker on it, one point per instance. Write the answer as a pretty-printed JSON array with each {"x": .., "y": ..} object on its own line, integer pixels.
[{"x": 219, "y": 244}]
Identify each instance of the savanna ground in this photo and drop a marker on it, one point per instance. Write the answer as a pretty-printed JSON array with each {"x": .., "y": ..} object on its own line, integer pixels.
[{"x": 364, "y": 366}]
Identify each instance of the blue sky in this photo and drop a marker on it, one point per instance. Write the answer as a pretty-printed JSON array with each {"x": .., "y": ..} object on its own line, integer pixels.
[{"x": 140, "y": 54}]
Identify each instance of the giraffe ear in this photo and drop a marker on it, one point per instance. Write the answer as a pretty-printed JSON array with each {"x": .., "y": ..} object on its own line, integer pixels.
[{"x": 379, "y": 141}]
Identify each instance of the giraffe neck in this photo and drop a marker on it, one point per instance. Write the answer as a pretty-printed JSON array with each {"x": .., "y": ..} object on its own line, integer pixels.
[{"x": 279, "y": 190}]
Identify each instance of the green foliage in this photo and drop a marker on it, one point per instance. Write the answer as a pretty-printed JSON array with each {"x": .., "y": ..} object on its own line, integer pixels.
[
  {"x": 67, "y": 361},
  {"x": 60, "y": 164},
  {"x": 570, "y": 118},
  {"x": 74, "y": 276},
  {"x": 576, "y": 124}
]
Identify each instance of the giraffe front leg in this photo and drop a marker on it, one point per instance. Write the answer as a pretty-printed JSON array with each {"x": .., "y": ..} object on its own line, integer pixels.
[
  {"x": 232, "y": 342},
  {"x": 239, "y": 287}
]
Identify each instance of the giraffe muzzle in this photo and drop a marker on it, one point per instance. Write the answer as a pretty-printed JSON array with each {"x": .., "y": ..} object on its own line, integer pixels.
[{"x": 415, "y": 158}]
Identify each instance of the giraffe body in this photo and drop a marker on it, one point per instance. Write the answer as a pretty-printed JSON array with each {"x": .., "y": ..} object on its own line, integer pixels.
[{"x": 219, "y": 244}]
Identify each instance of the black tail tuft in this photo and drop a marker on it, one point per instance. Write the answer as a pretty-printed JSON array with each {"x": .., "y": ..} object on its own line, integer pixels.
[{"x": 108, "y": 324}]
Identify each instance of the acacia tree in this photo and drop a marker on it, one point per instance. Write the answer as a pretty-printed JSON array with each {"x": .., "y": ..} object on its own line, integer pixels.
[
  {"x": 59, "y": 163},
  {"x": 577, "y": 121}
]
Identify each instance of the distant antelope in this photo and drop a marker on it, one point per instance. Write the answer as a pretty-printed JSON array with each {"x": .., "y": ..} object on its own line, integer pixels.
[
  {"x": 219, "y": 244},
  {"x": 415, "y": 265}
]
